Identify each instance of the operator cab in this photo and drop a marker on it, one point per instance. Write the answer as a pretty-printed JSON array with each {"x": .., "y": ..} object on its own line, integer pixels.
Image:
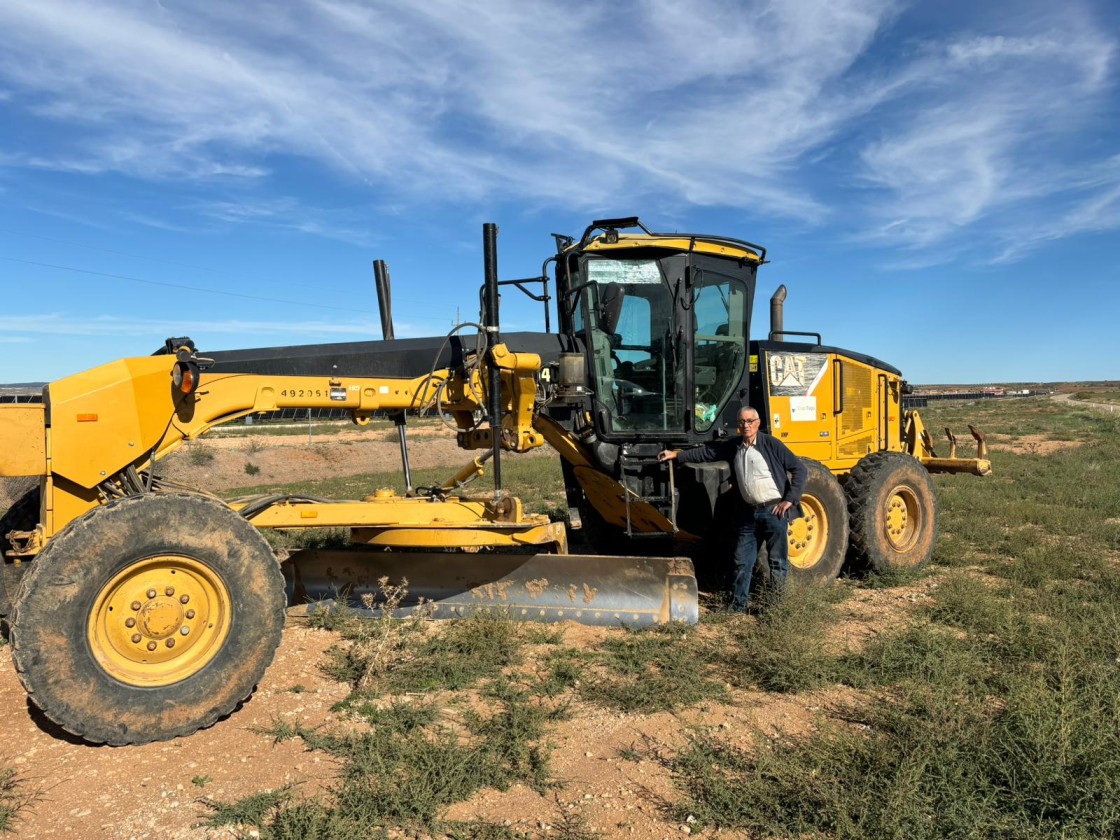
[{"x": 666, "y": 320}]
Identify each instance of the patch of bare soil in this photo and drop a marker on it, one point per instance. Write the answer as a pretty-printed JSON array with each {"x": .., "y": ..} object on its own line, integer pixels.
[
  {"x": 867, "y": 613},
  {"x": 1039, "y": 444},
  {"x": 153, "y": 791}
]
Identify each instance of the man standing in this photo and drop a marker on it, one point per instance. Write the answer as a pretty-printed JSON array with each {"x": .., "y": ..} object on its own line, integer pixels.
[{"x": 768, "y": 480}]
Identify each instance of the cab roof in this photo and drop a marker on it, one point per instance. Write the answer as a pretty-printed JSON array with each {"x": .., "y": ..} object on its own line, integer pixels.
[{"x": 609, "y": 238}]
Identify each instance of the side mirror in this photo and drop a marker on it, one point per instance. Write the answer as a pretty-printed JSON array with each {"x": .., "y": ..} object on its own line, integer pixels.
[{"x": 610, "y": 306}]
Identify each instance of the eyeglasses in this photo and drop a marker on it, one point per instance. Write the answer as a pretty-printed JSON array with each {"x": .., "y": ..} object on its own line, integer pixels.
[{"x": 743, "y": 423}]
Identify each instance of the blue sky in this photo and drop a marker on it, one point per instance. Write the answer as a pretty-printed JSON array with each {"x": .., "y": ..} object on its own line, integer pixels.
[{"x": 938, "y": 184}]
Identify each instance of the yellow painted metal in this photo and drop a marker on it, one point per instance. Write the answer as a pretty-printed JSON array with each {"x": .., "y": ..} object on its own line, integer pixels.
[
  {"x": 394, "y": 511},
  {"x": 831, "y": 408},
  {"x": 108, "y": 417},
  {"x": 562, "y": 441},
  {"x": 24, "y": 446},
  {"x": 551, "y": 535},
  {"x": 64, "y": 502},
  {"x": 127, "y": 414},
  {"x": 903, "y": 521},
  {"x": 836, "y": 410},
  {"x": 519, "y": 392},
  {"x": 159, "y": 620},
  {"x": 972, "y": 466},
  {"x": 916, "y": 441},
  {"x": 630, "y": 241},
  {"x": 472, "y": 470},
  {"x": 606, "y": 495},
  {"x": 808, "y": 535}
]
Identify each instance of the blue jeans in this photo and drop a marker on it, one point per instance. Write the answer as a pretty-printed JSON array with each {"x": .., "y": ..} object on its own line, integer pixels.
[{"x": 755, "y": 527}]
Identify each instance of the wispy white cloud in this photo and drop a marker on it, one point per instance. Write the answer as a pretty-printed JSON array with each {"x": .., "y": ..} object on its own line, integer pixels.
[
  {"x": 1087, "y": 201},
  {"x": 816, "y": 111},
  {"x": 987, "y": 137},
  {"x": 288, "y": 213}
]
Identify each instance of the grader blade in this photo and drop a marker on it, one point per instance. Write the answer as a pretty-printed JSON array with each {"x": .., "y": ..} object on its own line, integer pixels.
[{"x": 588, "y": 589}]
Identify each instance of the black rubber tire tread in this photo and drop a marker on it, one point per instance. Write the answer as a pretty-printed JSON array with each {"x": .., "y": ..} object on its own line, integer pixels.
[
  {"x": 22, "y": 516},
  {"x": 49, "y": 634},
  {"x": 868, "y": 488},
  {"x": 823, "y": 486}
]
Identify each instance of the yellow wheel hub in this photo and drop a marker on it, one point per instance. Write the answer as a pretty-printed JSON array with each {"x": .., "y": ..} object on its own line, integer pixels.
[
  {"x": 904, "y": 518},
  {"x": 159, "y": 621},
  {"x": 808, "y": 535}
]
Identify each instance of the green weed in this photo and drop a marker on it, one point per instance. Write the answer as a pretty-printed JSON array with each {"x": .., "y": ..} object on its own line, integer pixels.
[
  {"x": 653, "y": 669},
  {"x": 410, "y": 767},
  {"x": 784, "y": 650},
  {"x": 562, "y": 670},
  {"x": 460, "y": 655},
  {"x": 252, "y": 810},
  {"x": 198, "y": 455},
  {"x": 14, "y": 797}
]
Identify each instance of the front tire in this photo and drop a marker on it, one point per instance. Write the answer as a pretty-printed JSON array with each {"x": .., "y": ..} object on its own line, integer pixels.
[
  {"x": 893, "y": 510},
  {"x": 147, "y": 619},
  {"x": 818, "y": 542}
]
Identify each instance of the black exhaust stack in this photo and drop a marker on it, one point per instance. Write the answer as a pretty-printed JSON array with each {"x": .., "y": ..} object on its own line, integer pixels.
[
  {"x": 777, "y": 314},
  {"x": 384, "y": 298},
  {"x": 493, "y": 337},
  {"x": 385, "y": 308}
]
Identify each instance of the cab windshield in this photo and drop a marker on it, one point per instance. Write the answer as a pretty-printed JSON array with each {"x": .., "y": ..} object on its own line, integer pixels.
[
  {"x": 660, "y": 351},
  {"x": 637, "y": 368}
]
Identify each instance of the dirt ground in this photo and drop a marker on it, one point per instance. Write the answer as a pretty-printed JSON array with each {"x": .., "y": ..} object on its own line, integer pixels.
[{"x": 154, "y": 791}]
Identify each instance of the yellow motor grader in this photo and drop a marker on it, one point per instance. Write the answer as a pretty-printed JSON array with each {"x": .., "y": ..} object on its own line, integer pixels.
[{"x": 142, "y": 610}]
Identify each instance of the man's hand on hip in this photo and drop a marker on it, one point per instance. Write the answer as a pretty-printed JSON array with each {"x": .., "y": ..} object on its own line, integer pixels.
[{"x": 781, "y": 509}]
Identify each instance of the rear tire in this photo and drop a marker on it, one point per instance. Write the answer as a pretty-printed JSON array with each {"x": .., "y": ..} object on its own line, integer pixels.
[
  {"x": 147, "y": 619},
  {"x": 22, "y": 516},
  {"x": 892, "y": 506},
  {"x": 818, "y": 542}
]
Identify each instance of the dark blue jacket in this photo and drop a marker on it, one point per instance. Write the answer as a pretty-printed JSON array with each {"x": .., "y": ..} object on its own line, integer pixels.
[{"x": 786, "y": 468}]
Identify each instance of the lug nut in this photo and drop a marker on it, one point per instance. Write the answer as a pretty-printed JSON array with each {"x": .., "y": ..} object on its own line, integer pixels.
[
  {"x": 130, "y": 622},
  {"x": 190, "y": 613},
  {"x": 135, "y": 606},
  {"x": 136, "y": 638},
  {"x": 184, "y": 630},
  {"x": 151, "y": 645},
  {"x": 151, "y": 594},
  {"x": 170, "y": 591},
  {"x": 184, "y": 598},
  {"x": 170, "y": 643}
]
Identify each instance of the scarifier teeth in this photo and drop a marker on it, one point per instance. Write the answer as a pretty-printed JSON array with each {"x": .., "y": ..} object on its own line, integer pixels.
[
  {"x": 952, "y": 442},
  {"x": 927, "y": 442},
  {"x": 981, "y": 444}
]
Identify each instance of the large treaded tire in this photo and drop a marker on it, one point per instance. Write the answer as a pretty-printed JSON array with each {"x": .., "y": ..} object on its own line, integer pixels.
[
  {"x": 818, "y": 542},
  {"x": 22, "y": 516},
  {"x": 131, "y": 564},
  {"x": 892, "y": 507}
]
